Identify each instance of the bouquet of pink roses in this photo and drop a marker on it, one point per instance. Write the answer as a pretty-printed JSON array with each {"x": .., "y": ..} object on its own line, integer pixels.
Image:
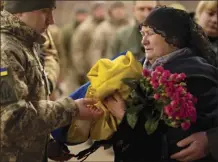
[{"x": 160, "y": 95}]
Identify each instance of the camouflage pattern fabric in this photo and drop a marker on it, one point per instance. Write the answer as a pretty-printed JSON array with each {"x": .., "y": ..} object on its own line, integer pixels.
[{"x": 27, "y": 117}]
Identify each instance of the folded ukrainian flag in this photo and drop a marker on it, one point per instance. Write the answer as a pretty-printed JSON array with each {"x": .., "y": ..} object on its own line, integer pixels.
[{"x": 105, "y": 78}]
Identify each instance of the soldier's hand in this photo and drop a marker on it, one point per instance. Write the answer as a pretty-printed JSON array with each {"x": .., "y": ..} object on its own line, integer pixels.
[{"x": 87, "y": 110}]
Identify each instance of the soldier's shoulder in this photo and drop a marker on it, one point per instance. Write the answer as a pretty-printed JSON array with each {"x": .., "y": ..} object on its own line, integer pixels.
[
  {"x": 126, "y": 29},
  {"x": 82, "y": 28},
  {"x": 104, "y": 26},
  {"x": 85, "y": 24},
  {"x": 9, "y": 42},
  {"x": 124, "y": 32},
  {"x": 12, "y": 47}
]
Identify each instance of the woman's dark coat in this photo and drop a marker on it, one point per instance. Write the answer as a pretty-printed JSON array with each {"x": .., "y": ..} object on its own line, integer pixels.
[{"x": 136, "y": 146}]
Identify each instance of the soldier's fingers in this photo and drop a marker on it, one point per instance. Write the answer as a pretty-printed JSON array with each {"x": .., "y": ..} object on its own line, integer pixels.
[{"x": 89, "y": 101}]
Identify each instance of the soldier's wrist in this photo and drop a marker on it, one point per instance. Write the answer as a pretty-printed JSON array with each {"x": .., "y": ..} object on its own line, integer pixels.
[{"x": 71, "y": 107}]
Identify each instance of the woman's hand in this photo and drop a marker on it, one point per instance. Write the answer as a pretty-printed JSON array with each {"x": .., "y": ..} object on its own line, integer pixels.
[
  {"x": 116, "y": 105},
  {"x": 197, "y": 148}
]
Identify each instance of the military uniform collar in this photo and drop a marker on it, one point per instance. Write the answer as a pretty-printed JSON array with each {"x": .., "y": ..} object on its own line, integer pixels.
[{"x": 14, "y": 26}]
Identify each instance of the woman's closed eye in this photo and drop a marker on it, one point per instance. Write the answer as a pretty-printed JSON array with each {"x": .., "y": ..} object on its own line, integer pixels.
[{"x": 147, "y": 33}]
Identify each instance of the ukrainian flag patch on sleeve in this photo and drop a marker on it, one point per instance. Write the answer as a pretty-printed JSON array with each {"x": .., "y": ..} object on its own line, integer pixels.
[
  {"x": 3, "y": 71},
  {"x": 7, "y": 91}
]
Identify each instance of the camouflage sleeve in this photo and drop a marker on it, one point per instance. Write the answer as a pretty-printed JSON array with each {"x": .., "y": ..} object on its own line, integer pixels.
[
  {"x": 65, "y": 41},
  {"x": 114, "y": 46},
  {"x": 22, "y": 117},
  {"x": 51, "y": 59},
  {"x": 80, "y": 43},
  {"x": 97, "y": 46}
]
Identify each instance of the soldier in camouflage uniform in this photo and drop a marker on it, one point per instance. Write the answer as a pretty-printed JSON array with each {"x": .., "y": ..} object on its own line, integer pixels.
[
  {"x": 104, "y": 33},
  {"x": 68, "y": 30},
  {"x": 27, "y": 116},
  {"x": 129, "y": 38},
  {"x": 70, "y": 82},
  {"x": 81, "y": 40}
]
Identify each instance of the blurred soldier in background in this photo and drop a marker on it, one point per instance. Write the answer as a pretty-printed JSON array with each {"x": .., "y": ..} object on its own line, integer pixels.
[
  {"x": 2, "y": 6},
  {"x": 105, "y": 32},
  {"x": 68, "y": 30},
  {"x": 129, "y": 38},
  {"x": 82, "y": 39},
  {"x": 67, "y": 81}
]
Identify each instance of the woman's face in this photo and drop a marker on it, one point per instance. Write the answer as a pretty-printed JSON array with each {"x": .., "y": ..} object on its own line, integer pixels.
[
  {"x": 208, "y": 21},
  {"x": 154, "y": 44}
]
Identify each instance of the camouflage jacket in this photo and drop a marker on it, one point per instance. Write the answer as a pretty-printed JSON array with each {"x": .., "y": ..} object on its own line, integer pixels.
[
  {"x": 51, "y": 59},
  {"x": 81, "y": 41},
  {"x": 127, "y": 38},
  {"x": 27, "y": 117},
  {"x": 101, "y": 39}
]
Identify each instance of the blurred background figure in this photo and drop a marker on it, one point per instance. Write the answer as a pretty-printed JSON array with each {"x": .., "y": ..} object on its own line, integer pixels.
[
  {"x": 104, "y": 33},
  {"x": 2, "y": 6},
  {"x": 129, "y": 38},
  {"x": 81, "y": 40},
  {"x": 67, "y": 81},
  {"x": 206, "y": 17},
  {"x": 68, "y": 30}
]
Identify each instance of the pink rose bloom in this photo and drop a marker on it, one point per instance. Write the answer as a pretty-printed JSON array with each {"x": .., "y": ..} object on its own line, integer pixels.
[
  {"x": 185, "y": 125},
  {"x": 181, "y": 76},
  {"x": 166, "y": 74},
  {"x": 173, "y": 76},
  {"x": 156, "y": 96},
  {"x": 159, "y": 69},
  {"x": 146, "y": 73},
  {"x": 168, "y": 110}
]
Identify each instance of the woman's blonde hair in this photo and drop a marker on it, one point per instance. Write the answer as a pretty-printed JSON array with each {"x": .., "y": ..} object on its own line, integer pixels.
[
  {"x": 205, "y": 5},
  {"x": 178, "y": 6}
]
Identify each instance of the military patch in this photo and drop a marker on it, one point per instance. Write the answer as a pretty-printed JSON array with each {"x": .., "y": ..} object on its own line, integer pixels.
[
  {"x": 3, "y": 71},
  {"x": 7, "y": 91}
]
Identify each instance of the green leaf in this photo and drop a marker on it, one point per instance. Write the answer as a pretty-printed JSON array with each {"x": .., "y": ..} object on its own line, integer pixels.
[
  {"x": 151, "y": 125},
  {"x": 132, "y": 120},
  {"x": 134, "y": 109}
]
